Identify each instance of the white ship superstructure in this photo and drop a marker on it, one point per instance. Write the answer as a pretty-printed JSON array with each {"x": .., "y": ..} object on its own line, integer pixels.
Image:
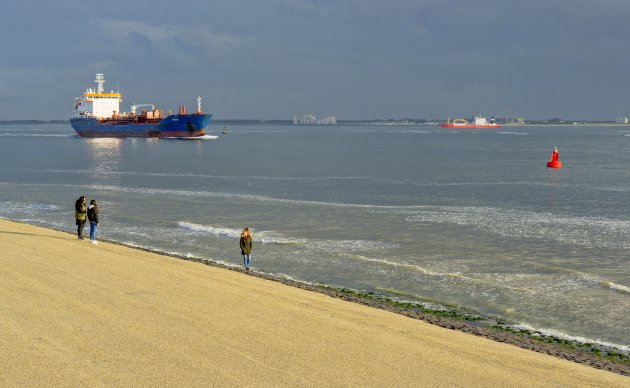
[
  {"x": 480, "y": 120},
  {"x": 310, "y": 118},
  {"x": 95, "y": 103}
]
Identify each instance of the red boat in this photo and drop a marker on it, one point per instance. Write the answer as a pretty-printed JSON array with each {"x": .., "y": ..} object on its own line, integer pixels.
[{"x": 479, "y": 122}]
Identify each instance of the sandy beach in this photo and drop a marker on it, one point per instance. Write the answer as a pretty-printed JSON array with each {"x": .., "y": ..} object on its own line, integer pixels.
[{"x": 73, "y": 313}]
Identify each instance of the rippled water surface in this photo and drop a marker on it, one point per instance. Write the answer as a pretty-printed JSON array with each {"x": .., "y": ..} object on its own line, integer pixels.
[{"x": 465, "y": 217}]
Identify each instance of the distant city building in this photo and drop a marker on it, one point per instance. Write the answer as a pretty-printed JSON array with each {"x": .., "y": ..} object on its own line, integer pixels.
[
  {"x": 310, "y": 119},
  {"x": 330, "y": 120},
  {"x": 622, "y": 120}
]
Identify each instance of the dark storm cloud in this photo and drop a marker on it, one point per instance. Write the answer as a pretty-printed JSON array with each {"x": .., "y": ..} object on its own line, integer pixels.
[{"x": 354, "y": 58}]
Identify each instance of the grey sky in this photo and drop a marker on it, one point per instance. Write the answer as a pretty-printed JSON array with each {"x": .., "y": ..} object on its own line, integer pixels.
[{"x": 356, "y": 59}]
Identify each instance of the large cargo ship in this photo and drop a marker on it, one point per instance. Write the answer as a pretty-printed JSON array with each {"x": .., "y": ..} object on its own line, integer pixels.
[
  {"x": 97, "y": 114},
  {"x": 478, "y": 122}
]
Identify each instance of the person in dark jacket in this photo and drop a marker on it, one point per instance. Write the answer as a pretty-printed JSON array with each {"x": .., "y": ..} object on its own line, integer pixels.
[
  {"x": 246, "y": 247},
  {"x": 79, "y": 215},
  {"x": 92, "y": 215}
]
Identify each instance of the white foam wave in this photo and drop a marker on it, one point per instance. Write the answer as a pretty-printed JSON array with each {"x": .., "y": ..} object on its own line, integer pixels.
[
  {"x": 291, "y": 278},
  {"x": 270, "y": 237},
  {"x": 615, "y": 189},
  {"x": 198, "y": 138},
  {"x": 255, "y": 197},
  {"x": 139, "y": 234},
  {"x": 231, "y": 196},
  {"x": 581, "y": 231},
  {"x": 191, "y": 175},
  {"x": 565, "y": 336},
  {"x": 261, "y": 131},
  {"x": 450, "y": 275},
  {"x": 514, "y": 133},
  {"x": 44, "y": 223},
  {"x": 26, "y": 208},
  {"x": 411, "y": 267},
  {"x": 349, "y": 245},
  {"x": 216, "y": 231},
  {"x": 264, "y": 237},
  {"x": 482, "y": 184},
  {"x": 245, "y": 197},
  {"x": 593, "y": 280},
  {"x": 615, "y": 286},
  {"x": 273, "y": 237}
]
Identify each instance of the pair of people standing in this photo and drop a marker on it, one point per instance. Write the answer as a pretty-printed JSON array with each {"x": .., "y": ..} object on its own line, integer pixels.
[
  {"x": 81, "y": 212},
  {"x": 246, "y": 247}
]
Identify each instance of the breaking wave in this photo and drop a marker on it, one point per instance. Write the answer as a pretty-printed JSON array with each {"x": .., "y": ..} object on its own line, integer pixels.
[
  {"x": 565, "y": 336},
  {"x": 581, "y": 231},
  {"x": 615, "y": 286},
  {"x": 198, "y": 138},
  {"x": 273, "y": 237},
  {"x": 265, "y": 237},
  {"x": 14, "y": 207},
  {"x": 514, "y": 133}
]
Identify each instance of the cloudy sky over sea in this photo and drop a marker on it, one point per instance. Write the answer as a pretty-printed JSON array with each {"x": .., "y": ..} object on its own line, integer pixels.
[{"x": 356, "y": 59}]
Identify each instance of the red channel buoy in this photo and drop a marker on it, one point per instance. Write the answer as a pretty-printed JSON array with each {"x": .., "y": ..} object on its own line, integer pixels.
[{"x": 554, "y": 162}]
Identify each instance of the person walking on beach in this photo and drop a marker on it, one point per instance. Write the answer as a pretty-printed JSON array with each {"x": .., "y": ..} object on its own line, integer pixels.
[
  {"x": 92, "y": 215},
  {"x": 80, "y": 211},
  {"x": 246, "y": 247}
]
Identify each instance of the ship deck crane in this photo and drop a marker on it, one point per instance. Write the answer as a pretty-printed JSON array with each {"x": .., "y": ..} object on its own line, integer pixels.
[{"x": 135, "y": 106}]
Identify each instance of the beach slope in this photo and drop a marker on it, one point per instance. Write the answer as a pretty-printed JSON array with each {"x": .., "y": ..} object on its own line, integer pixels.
[{"x": 73, "y": 313}]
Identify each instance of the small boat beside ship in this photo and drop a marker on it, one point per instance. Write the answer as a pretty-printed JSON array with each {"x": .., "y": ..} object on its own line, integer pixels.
[
  {"x": 97, "y": 114},
  {"x": 478, "y": 122}
]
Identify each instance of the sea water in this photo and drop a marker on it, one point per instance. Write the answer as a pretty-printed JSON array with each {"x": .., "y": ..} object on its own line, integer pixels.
[{"x": 462, "y": 217}]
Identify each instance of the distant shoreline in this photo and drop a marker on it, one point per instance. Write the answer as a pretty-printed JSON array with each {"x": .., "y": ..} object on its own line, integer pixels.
[
  {"x": 568, "y": 125},
  {"x": 341, "y": 123}
]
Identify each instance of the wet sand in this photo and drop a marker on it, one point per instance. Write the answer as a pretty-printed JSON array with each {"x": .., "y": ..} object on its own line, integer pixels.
[{"x": 73, "y": 313}]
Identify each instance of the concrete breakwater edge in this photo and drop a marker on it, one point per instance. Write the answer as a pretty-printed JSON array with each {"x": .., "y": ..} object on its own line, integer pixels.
[{"x": 111, "y": 310}]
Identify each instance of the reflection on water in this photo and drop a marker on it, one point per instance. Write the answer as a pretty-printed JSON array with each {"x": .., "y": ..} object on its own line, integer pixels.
[{"x": 105, "y": 154}]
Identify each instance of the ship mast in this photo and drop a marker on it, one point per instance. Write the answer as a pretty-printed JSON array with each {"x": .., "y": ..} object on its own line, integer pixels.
[
  {"x": 99, "y": 82},
  {"x": 199, "y": 105}
]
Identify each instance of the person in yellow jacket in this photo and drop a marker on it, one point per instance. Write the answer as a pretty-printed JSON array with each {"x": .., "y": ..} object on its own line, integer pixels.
[{"x": 80, "y": 213}]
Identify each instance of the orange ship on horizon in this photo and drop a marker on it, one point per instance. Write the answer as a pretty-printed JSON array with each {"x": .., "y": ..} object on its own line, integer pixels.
[{"x": 478, "y": 122}]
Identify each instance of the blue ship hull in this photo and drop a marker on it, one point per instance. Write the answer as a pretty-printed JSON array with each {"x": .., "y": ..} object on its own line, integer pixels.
[{"x": 186, "y": 125}]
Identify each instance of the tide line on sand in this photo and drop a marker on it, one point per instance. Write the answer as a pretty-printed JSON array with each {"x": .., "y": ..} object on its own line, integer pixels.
[{"x": 81, "y": 314}]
